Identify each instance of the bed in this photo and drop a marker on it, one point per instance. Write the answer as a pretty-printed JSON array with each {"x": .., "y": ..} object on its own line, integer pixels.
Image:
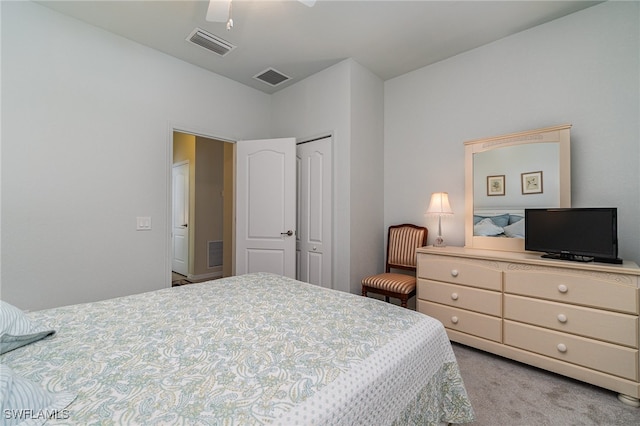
[{"x": 252, "y": 349}]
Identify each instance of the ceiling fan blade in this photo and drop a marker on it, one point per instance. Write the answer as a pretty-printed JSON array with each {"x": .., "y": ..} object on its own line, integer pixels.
[{"x": 218, "y": 10}]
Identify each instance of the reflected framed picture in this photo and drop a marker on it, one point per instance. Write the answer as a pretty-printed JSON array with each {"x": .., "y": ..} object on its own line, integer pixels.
[
  {"x": 495, "y": 185},
  {"x": 532, "y": 183}
]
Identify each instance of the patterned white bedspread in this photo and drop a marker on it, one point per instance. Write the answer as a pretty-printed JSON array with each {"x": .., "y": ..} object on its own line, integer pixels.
[{"x": 252, "y": 349}]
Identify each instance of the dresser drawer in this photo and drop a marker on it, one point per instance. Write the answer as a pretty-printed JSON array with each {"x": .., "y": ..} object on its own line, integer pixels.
[
  {"x": 480, "y": 325},
  {"x": 474, "y": 299},
  {"x": 482, "y": 274},
  {"x": 602, "y": 325},
  {"x": 580, "y": 289},
  {"x": 608, "y": 358}
]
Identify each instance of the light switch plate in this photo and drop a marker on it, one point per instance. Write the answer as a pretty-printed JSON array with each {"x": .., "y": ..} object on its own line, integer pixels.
[{"x": 143, "y": 223}]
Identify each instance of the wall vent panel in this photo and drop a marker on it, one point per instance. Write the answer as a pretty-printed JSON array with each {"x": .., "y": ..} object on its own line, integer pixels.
[
  {"x": 210, "y": 42},
  {"x": 272, "y": 77},
  {"x": 214, "y": 250}
]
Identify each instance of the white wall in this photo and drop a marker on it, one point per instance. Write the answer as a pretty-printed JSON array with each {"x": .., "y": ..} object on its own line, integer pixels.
[
  {"x": 368, "y": 232},
  {"x": 581, "y": 69},
  {"x": 86, "y": 119},
  {"x": 344, "y": 100}
]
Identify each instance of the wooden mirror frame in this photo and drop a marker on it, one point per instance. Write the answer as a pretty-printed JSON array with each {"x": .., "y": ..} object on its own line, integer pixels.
[{"x": 558, "y": 134}]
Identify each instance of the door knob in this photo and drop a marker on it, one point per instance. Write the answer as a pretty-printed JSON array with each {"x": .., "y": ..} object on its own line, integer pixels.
[{"x": 288, "y": 233}]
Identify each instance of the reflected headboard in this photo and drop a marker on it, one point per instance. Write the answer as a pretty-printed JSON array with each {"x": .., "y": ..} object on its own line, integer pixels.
[{"x": 498, "y": 223}]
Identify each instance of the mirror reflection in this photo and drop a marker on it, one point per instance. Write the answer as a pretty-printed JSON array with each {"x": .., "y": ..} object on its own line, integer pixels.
[
  {"x": 506, "y": 174},
  {"x": 510, "y": 179}
]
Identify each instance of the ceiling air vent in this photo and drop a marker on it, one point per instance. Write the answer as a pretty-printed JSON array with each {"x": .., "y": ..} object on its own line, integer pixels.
[
  {"x": 271, "y": 77},
  {"x": 210, "y": 42}
]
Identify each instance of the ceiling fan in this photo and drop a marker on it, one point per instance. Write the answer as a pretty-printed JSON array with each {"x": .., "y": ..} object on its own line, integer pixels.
[{"x": 220, "y": 11}]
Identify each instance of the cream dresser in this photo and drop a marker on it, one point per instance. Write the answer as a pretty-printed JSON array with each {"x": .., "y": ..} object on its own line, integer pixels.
[{"x": 576, "y": 319}]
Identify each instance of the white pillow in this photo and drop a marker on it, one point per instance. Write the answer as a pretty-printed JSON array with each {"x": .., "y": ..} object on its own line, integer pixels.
[
  {"x": 25, "y": 403},
  {"x": 17, "y": 330},
  {"x": 486, "y": 228},
  {"x": 515, "y": 230}
]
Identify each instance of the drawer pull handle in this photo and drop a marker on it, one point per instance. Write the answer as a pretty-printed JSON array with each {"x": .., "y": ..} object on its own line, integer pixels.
[
  {"x": 454, "y": 320},
  {"x": 454, "y": 272},
  {"x": 562, "y": 347},
  {"x": 562, "y": 318},
  {"x": 563, "y": 288},
  {"x": 454, "y": 296}
]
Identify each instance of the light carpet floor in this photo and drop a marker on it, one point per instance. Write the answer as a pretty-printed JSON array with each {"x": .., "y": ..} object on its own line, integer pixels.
[{"x": 505, "y": 392}]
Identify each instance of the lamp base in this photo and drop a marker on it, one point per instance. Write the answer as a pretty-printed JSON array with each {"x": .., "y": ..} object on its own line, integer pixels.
[{"x": 439, "y": 242}]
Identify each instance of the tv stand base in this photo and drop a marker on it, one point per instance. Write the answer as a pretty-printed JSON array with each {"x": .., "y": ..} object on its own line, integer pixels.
[{"x": 578, "y": 258}]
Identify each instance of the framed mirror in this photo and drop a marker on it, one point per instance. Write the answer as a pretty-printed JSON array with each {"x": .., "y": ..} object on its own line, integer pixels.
[{"x": 505, "y": 175}]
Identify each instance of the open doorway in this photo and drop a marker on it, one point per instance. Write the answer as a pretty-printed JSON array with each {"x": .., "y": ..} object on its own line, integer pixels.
[{"x": 202, "y": 208}]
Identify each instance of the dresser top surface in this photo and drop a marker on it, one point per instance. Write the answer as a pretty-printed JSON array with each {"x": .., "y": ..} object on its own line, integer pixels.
[{"x": 627, "y": 267}]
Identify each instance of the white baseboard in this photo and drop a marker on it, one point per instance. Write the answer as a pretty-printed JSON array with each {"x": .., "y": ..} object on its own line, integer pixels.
[{"x": 204, "y": 277}]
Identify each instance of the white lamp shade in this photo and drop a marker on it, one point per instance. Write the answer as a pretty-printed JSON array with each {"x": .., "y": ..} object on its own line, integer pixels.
[{"x": 439, "y": 203}]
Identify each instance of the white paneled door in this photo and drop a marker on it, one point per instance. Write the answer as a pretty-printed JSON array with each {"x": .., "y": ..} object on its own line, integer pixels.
[
  {"x": 180, "y": 218},
  {"x": 266, "y": 206},
  {"x": 314, "y": 211}
]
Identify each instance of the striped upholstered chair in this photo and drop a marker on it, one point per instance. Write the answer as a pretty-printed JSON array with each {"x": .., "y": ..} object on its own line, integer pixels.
[{"x": 401, "y": 254}]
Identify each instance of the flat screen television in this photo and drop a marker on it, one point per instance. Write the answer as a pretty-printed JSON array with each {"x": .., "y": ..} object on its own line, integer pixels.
[{"x": 578, "y": 234}]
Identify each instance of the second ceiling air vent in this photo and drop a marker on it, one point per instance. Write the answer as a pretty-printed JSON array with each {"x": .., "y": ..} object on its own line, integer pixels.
[
  {"x": 271, "y": 77},
  {"x": 210, "y": 42}
]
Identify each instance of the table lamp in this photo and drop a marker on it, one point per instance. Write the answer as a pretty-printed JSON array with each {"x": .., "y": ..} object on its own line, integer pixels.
[{"x": 439, "y": 205}]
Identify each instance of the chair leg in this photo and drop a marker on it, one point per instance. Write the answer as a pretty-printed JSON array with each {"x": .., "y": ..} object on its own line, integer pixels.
[
  {"x": 403, "y": 301},
  {"x": 364, "y": 291}
]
